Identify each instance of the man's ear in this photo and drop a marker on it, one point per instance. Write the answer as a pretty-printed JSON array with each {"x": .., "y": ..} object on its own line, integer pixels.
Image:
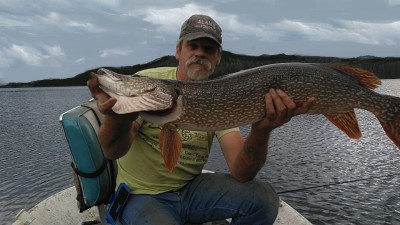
[{"x": 219, "y": 58}]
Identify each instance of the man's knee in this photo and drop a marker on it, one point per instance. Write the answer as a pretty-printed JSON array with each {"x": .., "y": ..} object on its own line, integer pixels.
[
  {"x": 261, "y": 201},
  {"x": 256, "y": 192},
  {"x": 264, "y": 194},
  {"x": 144, "y": 209}
]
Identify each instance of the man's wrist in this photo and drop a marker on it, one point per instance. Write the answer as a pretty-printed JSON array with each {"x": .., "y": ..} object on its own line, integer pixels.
[
  {"x": 121, "y": 119},
  {"x": 261, "y": 133}
]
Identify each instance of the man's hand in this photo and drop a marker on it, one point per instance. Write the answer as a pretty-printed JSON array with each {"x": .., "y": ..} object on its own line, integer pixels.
[
  {"x": 105, "y": 102},
  {"x": 117, "y": 131},
  {"x": 246, "y": 157},
  {"x": 280, "y": 108}
]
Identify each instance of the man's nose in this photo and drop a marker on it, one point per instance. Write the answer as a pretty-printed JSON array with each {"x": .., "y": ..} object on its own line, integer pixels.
[{"x": 199, "y": 52}]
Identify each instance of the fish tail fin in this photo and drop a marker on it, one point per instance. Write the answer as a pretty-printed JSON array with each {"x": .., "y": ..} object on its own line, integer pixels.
[
  {"x": 390, "y": 120},
  {"x": 388, "y": 117},
  {"x": 170, "y": 146},
  {"x": 347, "y": 122},
  {"x": 366, "y": 78}
]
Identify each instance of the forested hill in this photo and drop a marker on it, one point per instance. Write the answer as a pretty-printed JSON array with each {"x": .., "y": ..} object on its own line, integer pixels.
[{"x": 384, "y": 68}]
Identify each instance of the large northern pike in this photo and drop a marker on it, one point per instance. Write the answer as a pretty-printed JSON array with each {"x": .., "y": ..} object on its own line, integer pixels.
[{"x": 238, "y": 98}]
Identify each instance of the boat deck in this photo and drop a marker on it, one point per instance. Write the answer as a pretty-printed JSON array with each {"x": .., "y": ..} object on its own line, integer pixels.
[{"x": 61, "y": 209}]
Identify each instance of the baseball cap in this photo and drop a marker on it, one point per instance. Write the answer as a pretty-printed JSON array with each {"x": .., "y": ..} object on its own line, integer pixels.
[{"x": 198, "y": 26}]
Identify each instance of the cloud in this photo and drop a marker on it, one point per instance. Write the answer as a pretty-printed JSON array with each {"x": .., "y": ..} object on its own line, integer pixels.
[
  {"x": 175, "y": 16},
  {"x": 7, "y": 21},
  {"x": 48, "y": 21},
  {"x": 385, "y": 33},
  {"x": 344, "y": 31},
  {"x": 57, "y": 19},
  {"x": 28, "y": 55},
  {"x": 169, "y": 18},
  {"x": 5, "y": 61},
  {"x": 109, "y": 3},
  {"x": 54, "y": 50},
  {"x": 374, "y": 33},
  {"x": 42, "y": 34},
  {"x": 80, "y": 60},
  {"x": 114, "y": 52},
  {"x": 393, "y": 2}
]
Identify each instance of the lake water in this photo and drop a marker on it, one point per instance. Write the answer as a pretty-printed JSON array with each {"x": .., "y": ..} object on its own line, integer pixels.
[{"x": 317, "y": 169}]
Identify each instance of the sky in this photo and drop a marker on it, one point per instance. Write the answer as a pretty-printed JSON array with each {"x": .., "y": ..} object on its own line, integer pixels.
[{"x": 46, "y": 39}]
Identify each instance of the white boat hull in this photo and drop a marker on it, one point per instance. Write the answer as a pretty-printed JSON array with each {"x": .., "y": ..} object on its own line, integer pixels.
[{"x": 61, "y": 209}]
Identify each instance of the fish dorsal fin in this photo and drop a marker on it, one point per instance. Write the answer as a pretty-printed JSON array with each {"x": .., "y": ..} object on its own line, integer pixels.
[
  {"x": 366, "y": 78},
  {"x": 170, "y": 146},
  {"x": 347, "y": 122}
]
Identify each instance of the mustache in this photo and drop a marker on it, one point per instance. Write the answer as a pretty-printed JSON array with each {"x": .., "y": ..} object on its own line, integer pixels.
[{"x": 201, "y": 61}]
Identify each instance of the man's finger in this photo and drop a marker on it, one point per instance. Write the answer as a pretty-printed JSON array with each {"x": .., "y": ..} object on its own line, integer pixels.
[
  {"x": 305, "y": 106},
  {"x": 284, "y": 105},
  {"x": 286, "y": 99},
  {"x": 269, "y": 106}
]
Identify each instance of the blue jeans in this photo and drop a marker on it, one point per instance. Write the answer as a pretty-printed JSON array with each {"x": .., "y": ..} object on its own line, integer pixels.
[{"x": 209, "y": 197}]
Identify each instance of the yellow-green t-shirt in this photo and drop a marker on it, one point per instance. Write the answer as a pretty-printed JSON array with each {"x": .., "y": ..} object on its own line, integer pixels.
[{"x": 143, "y": 168}]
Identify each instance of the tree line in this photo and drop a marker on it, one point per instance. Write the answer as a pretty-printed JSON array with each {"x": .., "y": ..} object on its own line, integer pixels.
[{"x": 383, "y": 67}]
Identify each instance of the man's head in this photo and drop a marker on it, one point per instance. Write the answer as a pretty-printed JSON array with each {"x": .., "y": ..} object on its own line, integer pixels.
[
  {"x": 201, "y": 26},
  {"x": 199, "y": 48}
]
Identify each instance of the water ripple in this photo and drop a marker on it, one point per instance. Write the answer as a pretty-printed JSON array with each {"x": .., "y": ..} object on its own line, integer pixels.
[{"x": 314, "y": 166}]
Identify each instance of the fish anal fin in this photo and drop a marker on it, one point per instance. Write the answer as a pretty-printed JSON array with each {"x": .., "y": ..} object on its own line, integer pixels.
[
  {"x": 392, "y": 129},
  {"x": 347, "y": 122},
  {"x": 366, "y": 78},
  {"x": 170, "y": 146}
]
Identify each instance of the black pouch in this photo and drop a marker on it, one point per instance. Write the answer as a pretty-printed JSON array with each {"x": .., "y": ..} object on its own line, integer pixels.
[{"x": 117, "y": 203}]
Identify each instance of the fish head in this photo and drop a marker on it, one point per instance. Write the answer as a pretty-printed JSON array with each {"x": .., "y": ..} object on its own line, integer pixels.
[
  {"x": 124, "y": 85},
  {"x": 136, "y": 93}
]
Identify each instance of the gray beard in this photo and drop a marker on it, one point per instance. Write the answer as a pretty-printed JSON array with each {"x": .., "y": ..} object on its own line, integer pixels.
[{"x": 196, "y": 75}]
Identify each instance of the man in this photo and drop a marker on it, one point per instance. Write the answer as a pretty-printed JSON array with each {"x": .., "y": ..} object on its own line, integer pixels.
[{"x": 185, "y": 195}]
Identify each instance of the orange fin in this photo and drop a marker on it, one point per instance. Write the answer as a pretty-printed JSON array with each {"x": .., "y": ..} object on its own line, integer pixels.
[
  {"x": 392, "y": 128},
  {"x": 366, "y": 78},
  {"x": 347, "y": 122},
  {"x": 170, "y": 146}
]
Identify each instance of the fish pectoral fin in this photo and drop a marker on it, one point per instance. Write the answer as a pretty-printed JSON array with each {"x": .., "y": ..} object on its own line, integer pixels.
[
  {"x": 347, "y": 122},
  {"x": 126, "y": 104},
  {"x": 170, "y": 146},
  {"x": 129, "y": 104}
]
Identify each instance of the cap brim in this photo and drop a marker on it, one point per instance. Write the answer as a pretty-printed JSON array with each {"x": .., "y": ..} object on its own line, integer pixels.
[{"x": 193, "y": 36}]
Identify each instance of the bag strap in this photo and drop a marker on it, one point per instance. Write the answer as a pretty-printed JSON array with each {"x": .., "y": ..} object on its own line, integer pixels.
[{"x": 93, "y": 174}]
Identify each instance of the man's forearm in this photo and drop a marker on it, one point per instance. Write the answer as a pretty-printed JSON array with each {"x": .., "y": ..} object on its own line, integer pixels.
[
  {"x": 253, "y": 156},
  {"x": 116, "y": 136}
]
